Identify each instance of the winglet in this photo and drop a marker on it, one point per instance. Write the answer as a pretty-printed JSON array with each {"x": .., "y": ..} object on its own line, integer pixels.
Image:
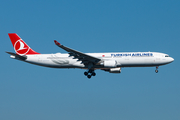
[{"x": 56, "y": 42}]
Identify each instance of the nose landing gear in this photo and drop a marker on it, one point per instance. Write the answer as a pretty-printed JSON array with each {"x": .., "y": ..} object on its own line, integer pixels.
[{"x": 156, "y": 69}]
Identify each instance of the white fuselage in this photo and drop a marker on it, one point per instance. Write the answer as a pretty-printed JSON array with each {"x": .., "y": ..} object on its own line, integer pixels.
[
  {"x": 123, "y": 59},
  {"x": 109, "y": 62}
]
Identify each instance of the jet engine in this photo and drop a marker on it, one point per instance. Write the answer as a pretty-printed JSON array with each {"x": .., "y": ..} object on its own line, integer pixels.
[
  {"x": 113, "y": 70},
  {"x": 109, "y": 63}
]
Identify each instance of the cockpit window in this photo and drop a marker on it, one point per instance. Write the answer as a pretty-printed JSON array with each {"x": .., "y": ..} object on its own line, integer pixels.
[{"x": 166, "y": 55}]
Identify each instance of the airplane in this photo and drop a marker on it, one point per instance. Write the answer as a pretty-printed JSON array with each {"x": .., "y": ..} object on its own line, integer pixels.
[{"x": 110, "y": 62}]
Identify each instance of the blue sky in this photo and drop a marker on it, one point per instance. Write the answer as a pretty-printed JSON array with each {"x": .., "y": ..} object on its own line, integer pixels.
[{"x": 32, "y": 92}]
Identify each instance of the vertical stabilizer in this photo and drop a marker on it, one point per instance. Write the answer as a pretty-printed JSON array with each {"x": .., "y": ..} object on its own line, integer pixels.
[{"x": 20, "y": 47}]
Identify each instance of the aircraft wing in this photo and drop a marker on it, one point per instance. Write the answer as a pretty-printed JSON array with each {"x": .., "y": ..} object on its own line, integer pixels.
[{"x": 79, "y": 55}]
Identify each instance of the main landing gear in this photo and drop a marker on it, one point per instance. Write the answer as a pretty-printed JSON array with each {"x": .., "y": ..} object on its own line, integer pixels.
[
  {"x": 90, "y": 73},
  {"x": 156, "y": 69}
]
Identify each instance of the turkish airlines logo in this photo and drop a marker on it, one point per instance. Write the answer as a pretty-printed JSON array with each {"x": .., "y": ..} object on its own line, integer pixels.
[{"x": 21, "y": 47}]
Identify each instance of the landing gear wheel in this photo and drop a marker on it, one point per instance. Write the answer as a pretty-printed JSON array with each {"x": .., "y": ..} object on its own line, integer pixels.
[
  {"x": 93, "y": 74},
  {"x": 89, "y": 76},
  {"x": 156, "y": 69},
  {"x": 89, "y": 73},
  {"x": 85, "y": 73}
]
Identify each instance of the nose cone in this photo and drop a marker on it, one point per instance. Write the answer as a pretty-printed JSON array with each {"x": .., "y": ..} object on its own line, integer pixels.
[{"x": 171, "y": 59}]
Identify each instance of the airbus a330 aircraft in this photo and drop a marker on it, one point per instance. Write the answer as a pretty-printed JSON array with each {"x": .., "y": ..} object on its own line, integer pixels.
[{"x": 110, "y": 62}]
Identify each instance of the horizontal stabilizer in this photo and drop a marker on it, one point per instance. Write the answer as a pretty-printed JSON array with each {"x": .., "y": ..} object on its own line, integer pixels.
[{"x": 24, "y": 57}]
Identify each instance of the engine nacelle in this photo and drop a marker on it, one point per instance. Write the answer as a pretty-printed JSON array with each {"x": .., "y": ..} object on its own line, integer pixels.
[
  {"x": 109, "y": 63},
  {"x": 115, "y": 70}
]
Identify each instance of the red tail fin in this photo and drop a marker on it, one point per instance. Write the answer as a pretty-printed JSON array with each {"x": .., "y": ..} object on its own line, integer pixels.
[{"x": 20, "y": 46}]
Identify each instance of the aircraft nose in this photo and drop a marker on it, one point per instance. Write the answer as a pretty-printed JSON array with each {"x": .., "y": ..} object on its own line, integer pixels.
[{"x": 171, "y": 59}]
